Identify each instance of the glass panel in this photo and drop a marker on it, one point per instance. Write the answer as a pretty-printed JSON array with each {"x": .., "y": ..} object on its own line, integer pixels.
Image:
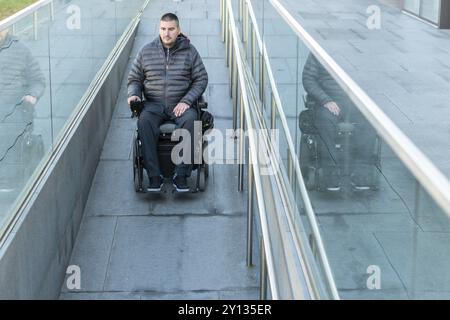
[
  {"x": 48, "y": 60},
  {"x": 25, "y": 134},
  {"x": 430, "y": 10},
  {"x": 412, "y": 6},
  {"x": 383, "y": 234}
]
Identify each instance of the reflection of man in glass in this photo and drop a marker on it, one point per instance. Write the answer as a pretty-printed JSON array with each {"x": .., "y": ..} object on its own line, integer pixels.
[
  {"x": 21, "y": 85},
  {"x": 333, "y": 110},
  {"x": 21, "y": 80}
]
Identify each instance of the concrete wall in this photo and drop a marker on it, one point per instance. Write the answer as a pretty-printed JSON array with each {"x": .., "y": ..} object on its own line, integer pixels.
[{"x": 34, "y": 258}]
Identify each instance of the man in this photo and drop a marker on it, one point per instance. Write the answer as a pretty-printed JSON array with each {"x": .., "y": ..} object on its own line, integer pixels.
[
  {"x": 21, "y": 79},
  {"x": 22, "y": 83},
  {"x": 333, "y": 106},
  {"x": 170, "y": 75}
]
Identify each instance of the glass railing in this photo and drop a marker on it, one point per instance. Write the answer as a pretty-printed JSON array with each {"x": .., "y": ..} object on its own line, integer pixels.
[
  {"x": 382, "y": 207},
  {"x": 48, "y": 58},
  {"x": 287, "y": 266}
]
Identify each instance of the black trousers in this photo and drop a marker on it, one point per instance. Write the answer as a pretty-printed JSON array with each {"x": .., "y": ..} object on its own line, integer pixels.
[
  {"x": 361, "y": 145},
  {"x": 149, "y": 122}
]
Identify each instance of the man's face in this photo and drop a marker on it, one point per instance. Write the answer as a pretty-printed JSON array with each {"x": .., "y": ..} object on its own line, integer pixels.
[{"x": 169, "y": 32}]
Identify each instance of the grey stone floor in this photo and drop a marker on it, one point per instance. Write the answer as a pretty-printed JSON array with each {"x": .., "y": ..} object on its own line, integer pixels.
[{"x": 142, "y": 246}]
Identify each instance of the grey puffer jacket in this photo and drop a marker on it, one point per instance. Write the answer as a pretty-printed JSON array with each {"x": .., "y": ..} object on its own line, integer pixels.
[
  {"x": 20, "y": 73},
  {"x": 168, "y": 76},
  {"x": 321, "y": 86}
]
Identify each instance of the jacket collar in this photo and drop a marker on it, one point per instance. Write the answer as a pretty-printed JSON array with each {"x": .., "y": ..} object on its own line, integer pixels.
[{"x": 182, "y": 42}]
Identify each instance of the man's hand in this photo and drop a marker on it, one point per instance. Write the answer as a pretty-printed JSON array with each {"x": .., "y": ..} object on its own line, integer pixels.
[
  {"x": 133, "y": 98},
  {"x": 180, "y": 109},
  {"x": 29, "y": 100},
  {"x": 333, "y": 108}
]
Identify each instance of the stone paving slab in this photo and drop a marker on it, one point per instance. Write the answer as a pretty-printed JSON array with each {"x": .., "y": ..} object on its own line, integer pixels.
[
  {"x": 410, "y": 254},
  {"x": 178, "y": 253},
  {"x": 91, "y": 252},
  {"x": 350, "y": 254},
  {"x": 182, "y": 295},
  {"x": 219, "y": 101}
]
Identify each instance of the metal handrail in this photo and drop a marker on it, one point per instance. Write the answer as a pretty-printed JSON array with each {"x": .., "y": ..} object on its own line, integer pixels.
[
  {"x": 303, "y": 190},
  {"x": 5, "y": 23},
  {"x": 288, "y": 204},
  {"x": 436, "y": 184},
  {"x": 226, "y": 5},
  {"x": 298, "y": 262},
  {"x": 31, "y": 9}
]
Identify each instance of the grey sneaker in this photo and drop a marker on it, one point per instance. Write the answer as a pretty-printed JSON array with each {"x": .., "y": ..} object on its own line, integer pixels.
[
  {"x": 332, "y": 182},
  {"x": 360, "y": 182},
  {"x": 334, "y": 188},
  {"x": 156, "y": 184},
  {"x": 180, "y": 183}
]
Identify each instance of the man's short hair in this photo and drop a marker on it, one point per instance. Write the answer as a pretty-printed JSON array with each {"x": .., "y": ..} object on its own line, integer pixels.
[{"x": 170, "y": 17}]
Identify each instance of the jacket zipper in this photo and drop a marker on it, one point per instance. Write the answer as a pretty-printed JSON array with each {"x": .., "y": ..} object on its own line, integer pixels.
[
  {"x": 167, "y": 68},
  {"x": 165, "y": 82}
]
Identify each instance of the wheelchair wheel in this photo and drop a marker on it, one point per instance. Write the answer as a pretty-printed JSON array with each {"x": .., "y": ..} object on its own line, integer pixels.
[
  {"x": 32, "y": 152},
  {"x": 202, "y": 177},
  {"x": 138, "y": 169},
  {"x": 206, "y": 166},
  {"x": 308, "y": 154}
]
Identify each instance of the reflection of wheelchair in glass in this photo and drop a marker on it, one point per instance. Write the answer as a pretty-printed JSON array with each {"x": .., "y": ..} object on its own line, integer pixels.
[
  {"x": 28, "y": 148},
  {"x": 32, "y": 145},
  {"x": 165, "y": 146},
  {"x": 312, "y": 146}
]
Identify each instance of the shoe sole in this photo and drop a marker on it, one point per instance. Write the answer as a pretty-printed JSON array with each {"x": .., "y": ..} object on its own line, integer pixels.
[
  {"x": 154, "y": 189},
  {"x": 181, "y": 190},
  {"x": 361, "y": 188}
]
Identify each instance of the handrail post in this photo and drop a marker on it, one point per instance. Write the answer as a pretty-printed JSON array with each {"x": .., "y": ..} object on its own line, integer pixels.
[
  {"x": 244, "y": 21},
  {"x": 261, "y": 78},
  {"x": 35, "y": 23},
  {"x": 235, "y": 86},
  {"x": 250, "y": 216},
  {"x": 263, "y": 273},
  {"x": 228, "y": 39},
  {"x": 252, "y": 49},
  {"x": 222, "y": 19},
  {"x": 52, "y": 11},
  {"x": 290, "y": 167},
  {"x": 273, "y": 113},
  {"x": 232, "y": 68},
  {"x": 240, "y": 11},
  {"x": 241, "y": 147}
]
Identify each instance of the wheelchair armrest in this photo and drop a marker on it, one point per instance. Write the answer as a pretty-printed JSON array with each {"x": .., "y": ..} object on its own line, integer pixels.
[
  {"x": 308, "y": 101},
  {"x": 201, "y": 103}
]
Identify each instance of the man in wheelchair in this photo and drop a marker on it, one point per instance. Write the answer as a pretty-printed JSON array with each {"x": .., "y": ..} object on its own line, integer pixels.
[
  {"x": 170, "y": 75},
  {"x": 347, "y": 140}
]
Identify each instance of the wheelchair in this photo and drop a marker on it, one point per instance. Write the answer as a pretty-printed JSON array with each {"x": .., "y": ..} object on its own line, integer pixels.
[
  {"x": 29, "y": 149},
  {"x": 165, "y": 146},
  {"x": 311, "y": 145}
]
